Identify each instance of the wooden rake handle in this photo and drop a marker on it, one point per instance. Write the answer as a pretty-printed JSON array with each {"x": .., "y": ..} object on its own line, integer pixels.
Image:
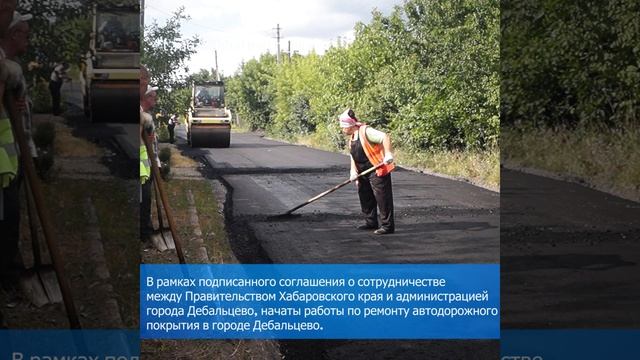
[
  {"x": 163, "y": 197},
  {"x": 344, "y": 183},
  {"x": 45, "y": 220}
]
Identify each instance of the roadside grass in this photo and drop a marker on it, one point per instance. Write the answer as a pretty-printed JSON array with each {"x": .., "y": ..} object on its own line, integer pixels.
[
  {"x": 211, "y": 221},
  {"x": 180, "y": 161},
  {"x": 117, "y": 209},
  {"x": 607, "y": 159},
  {"x": 65, "y": 201},
  {"x": 240, "y": 127},
  {"x": 214, "y": 234},
  {"x": 69, "y": 146},
  {"x": 210, "y": 349},
  {"x": 478, "y": 167}
]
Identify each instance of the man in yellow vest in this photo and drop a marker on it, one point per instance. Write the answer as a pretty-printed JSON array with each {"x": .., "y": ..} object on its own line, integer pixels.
[
  {"x": 147, "y": 102},
  {"x": 368, "y": 148},
  {"x": 146, "y": 180},
  {"x": 9, "y": 166}
]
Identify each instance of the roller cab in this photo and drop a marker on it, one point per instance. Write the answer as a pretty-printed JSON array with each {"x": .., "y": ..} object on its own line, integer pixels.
[{"x": 112, "y": 71}]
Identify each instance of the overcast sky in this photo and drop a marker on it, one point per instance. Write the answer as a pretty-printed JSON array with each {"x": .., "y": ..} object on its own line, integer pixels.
[{"x": 243, "y": 29}]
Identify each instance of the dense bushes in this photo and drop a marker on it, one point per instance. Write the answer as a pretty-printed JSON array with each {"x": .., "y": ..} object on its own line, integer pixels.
[
  {"x": 568, "y": 63},
  {"x": 428, "y": 73}
]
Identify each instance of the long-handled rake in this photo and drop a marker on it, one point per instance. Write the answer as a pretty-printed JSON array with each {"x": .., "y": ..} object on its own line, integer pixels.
[{"x": 325, "y": 193}]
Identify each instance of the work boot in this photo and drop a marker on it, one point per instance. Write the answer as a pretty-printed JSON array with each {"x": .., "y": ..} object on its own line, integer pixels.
[
  {"x": 383, "y": 231},
  {"x": 367, "y": 227}
]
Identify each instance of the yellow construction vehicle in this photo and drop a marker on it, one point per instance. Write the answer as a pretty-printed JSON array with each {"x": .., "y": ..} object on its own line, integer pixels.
[
  {"x": 112, "y": 72},
  {"x": 209, "y": 122}
]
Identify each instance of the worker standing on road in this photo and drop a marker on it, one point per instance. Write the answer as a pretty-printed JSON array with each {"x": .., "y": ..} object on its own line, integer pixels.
[
  {"x": 58, "y": 75},
  {"x": 171, "y": 126},
  {"x": 14, "y": 45},
  {"x": 147, "y": 102},
  {"x": 368, "y": 148},
  {"x": 146, "y": 178}
]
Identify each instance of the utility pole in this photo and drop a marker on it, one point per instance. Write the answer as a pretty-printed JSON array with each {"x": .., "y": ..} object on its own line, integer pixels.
[
  {"x": 278, "y": 37},
  {"x": 141, "y": 17},
  {"x": 289, "y": 50},
  {"x": 215, "y": 52}
]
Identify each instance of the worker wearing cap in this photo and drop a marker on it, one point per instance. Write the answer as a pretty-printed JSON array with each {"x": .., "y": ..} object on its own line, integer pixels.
[
  {"x": 147, "y": 131},
  {"x": 368, "y": 148},
  {"x": 14, "y": 45},
  {"x": 9, "y": 161},
  {"x": 171, "y": 126},
  {"x": 58, "y": 76},
  {"x": 145, "y": 165}
]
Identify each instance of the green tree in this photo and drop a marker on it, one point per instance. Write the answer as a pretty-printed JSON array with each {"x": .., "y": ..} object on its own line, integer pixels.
[
  {"x": 165, "y": 53},
  {"x": 428, "y": 73},
  {"x": 59, "y": 33},
  {"x": 251, "y": 91},
  {"x": 570, "y": 63}
]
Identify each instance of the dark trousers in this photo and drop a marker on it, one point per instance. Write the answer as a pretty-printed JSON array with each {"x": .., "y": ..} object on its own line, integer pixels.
[
  {"x": 10, "y": 228},
  {"x": 54, "y": 88},
  {"x": 145, "y": 210},
  {"x": 376, "y": 194},
  {"x": 171, "y": 132}
]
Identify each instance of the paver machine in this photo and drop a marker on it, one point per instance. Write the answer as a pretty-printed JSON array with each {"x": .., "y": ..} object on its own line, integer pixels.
[
  {"x": 209, "y": 122},
  {"x": 112, "y": 71}
]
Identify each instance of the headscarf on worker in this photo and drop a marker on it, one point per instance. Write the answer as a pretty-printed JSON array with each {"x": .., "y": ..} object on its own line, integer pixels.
[{"x": 374, "y": 151}]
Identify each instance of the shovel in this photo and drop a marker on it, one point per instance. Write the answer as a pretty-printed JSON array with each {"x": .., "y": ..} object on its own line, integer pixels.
[
  {"x": 161, "y": 238},
  {"x": 321, "y": 195},
  {"x": 39, "y": 283},
  {"x": 43, "y": 214},
  {"x": 164, "y": 200}
]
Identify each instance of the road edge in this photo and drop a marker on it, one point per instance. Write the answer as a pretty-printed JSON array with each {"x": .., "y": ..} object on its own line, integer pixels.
[
  {"x": 426, "y": 172},
  {"x": 569, "y": 179}
]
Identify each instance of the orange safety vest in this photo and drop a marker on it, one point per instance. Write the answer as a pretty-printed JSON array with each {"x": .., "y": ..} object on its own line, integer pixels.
[{"x": 374, "y": 152}]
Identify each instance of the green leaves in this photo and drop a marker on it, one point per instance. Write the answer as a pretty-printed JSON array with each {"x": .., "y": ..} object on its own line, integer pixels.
[
  {"x": 428, "y": 73},
  {"x": 165, "y": 54},
  {"x": 59, "y": 32},
  {"x": 570, "y": 63}
]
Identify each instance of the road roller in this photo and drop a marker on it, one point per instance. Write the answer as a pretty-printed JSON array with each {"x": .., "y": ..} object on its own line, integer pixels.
[
  {"x": 209, "y": 122},
  {"x": 112, "y": 66}
]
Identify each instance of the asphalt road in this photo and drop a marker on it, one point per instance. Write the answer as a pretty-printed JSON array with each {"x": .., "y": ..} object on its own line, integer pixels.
[
  {"x": 437, "y": 221},
  {"x": 570, "y": 255}
]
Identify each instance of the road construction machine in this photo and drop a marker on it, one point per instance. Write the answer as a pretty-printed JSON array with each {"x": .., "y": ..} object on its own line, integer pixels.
[
  {"x": 209, "y": 122},
  {"x": 112, "y": 67}
]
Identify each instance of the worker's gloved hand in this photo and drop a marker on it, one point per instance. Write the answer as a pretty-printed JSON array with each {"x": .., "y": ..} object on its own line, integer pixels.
[
  {"x": 388, "y": 158},
  {"x": 353, "y": 176}
]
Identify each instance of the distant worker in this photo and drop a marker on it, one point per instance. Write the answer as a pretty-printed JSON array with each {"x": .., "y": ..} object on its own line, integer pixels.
[
  {"x": 111, "y": 33},
  {"x": 171, "y": 126},
  {"x": 368, "y": 148},
  {"x": 58, "y": 76},
  {"x": 203, "y": 97}
]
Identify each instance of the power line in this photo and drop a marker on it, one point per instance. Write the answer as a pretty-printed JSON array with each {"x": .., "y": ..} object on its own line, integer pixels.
[{"x": 278, "y": 28}]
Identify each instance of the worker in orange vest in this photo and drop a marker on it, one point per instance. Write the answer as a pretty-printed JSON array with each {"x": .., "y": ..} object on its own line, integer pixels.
[{"x": 370, "y": 147}]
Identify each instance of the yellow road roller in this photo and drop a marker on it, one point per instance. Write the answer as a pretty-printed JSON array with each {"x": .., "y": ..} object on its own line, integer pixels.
[
  {"x": 112, "y": 72},
  {"x": 209, "y": 122}
]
